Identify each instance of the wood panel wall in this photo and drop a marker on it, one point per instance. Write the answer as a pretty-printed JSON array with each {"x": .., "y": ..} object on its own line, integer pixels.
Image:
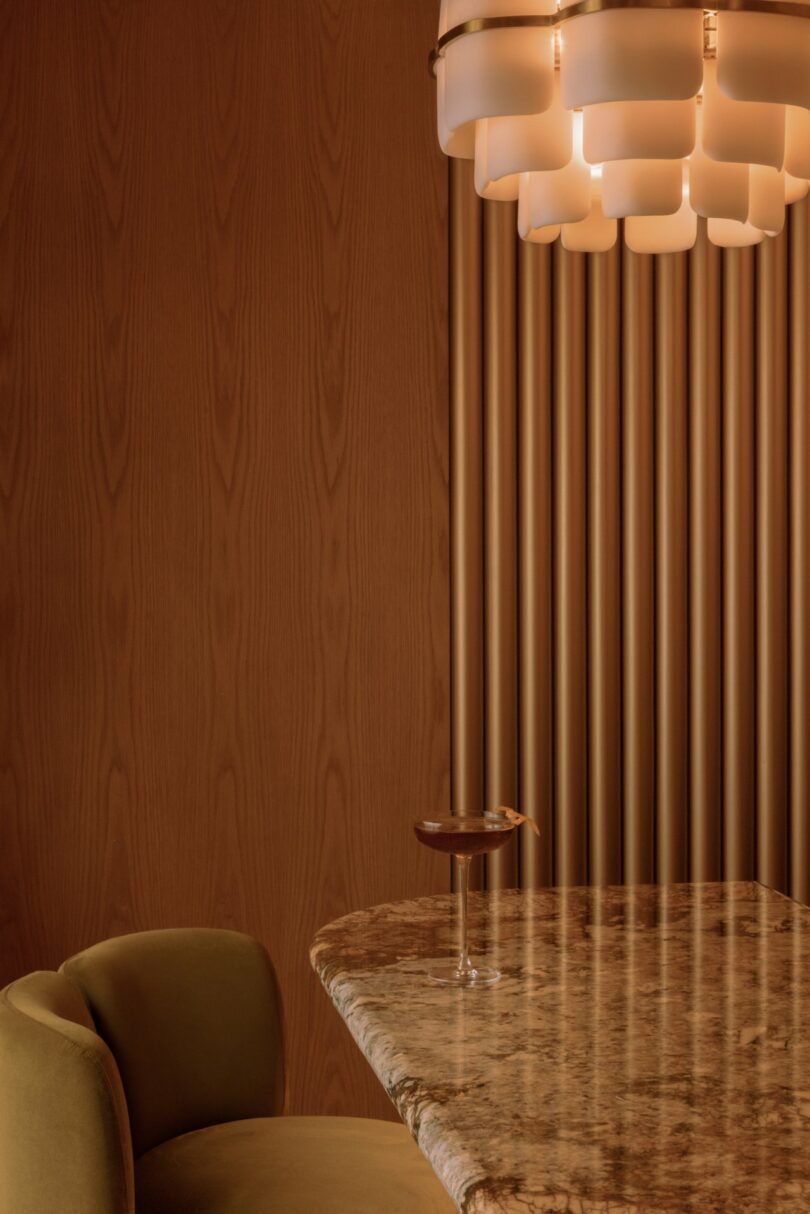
[{"x": 224, "y": 649}]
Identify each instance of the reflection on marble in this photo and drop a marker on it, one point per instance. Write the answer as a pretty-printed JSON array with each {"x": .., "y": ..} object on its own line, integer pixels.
[{"x": 646, "y": 1052}]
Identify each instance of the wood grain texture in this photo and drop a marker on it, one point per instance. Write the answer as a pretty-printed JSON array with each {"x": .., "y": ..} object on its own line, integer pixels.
[{"x": 224, "y": 640}]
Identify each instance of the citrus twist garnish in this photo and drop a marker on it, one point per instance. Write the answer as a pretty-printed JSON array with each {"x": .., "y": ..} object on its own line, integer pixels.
[{"x": 518, "y": 819}]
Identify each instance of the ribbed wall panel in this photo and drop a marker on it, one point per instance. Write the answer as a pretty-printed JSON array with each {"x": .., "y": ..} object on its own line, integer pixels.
[
  {"x": 639, "y": 549},
  {"x": 500, "y": 527}
]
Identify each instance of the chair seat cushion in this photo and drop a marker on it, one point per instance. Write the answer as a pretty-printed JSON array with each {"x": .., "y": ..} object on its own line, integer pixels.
[{"x": 290, "y": 1165}]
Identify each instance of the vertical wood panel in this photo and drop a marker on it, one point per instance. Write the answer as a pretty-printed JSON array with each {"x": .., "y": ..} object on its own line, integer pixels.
[
  {"x": 500, "y": 525},
  {"x": 705, "y": 563},
  {"x": 223, "y": 454},
  {"x": 570, "y": 572},
  {"x": 739, "y": 642},
  {"x": 604, "y": 562},
  {"x": 536, "y": 655},
  {"x": 672, "y": 555},
  {"x": 466, "y": 499},
  {"x": 800, "y": 554},
  {"x": 772, "y": 564},
  {"x": 638, "y": 514}
]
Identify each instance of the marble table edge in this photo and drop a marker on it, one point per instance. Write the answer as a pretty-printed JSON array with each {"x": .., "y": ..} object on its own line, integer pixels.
[
  {"x": 466, "y": 1183},
  {"x": 455, "y": 1167}
]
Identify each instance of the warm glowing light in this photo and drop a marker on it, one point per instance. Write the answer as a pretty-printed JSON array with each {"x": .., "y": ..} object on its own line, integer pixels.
[{"x": 652, "y": 115}]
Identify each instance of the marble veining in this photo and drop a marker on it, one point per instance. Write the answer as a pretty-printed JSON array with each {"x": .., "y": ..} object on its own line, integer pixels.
[{"x": 646, "y": 1052}]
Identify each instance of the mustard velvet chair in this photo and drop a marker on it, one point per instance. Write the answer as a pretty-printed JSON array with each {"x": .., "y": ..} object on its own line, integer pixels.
[
  {"x": 181, "y": 1070},
  {"x": 64, "y": 1130}
]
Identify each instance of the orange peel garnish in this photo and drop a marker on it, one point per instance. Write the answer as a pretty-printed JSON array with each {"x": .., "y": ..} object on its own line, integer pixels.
[{"x": 518, "y": 819}]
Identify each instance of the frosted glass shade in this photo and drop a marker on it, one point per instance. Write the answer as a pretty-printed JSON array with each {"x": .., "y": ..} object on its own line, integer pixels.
[
  {"x": 593, "y": 234},
  {"x": 637, "y": 119},
  {"x": 499, "y": 189},
  {"x": 456, "y": 12},
  {"x": 795, "y": 189},
  {"x": 460, "y": 143},
  {"x": 764, "y": 57},
  {"x": 496, "y": 72},
  {"x": 525, "y": 230},
  {"x": 527, "y": 143},
  {"x": 563, "y": 196},
  {"x": 662, "y": 233},
  {"x": 767, "y": 201},
  {"x": 746, "y": 132},
  {"x": 642, "y": 187},
  {"x": 633, "y": 130},
  {"x": 716, "y": 188},
  {"x": 797, "y": 141},
  {"x": 730, "y": 234},
  {"x": 637, "y": 55}
]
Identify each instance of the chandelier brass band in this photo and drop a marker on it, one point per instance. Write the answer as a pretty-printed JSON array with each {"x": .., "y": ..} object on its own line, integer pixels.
[{"x": 585, "y": 8}]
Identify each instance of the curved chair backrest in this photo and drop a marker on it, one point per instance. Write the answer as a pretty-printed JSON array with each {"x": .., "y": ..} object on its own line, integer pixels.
[
  {"x": 193, "y": 1018},
  {"x": 64, "y": 1132}
]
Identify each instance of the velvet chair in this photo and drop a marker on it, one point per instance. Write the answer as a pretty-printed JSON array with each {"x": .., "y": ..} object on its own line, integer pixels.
[{"x": 148, "y": 1075}]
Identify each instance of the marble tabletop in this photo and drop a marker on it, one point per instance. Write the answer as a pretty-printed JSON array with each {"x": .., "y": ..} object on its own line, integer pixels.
[{"x": 647, "y": 1050}]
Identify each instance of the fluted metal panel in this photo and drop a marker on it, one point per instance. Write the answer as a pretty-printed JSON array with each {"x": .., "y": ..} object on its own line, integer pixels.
[
  {"x": 500, "y": 525},
  {"x": 631, "y": 553},
  {"x": 739, "y": 634},
  {"x": 672, "y": 600},
  {"x": 799, "y": 553},
  {"x": 466, "y": 495},
  {"x": 772, "y": 565},
  {"x": 535, "y": 514},
  {"x": 604, "y": 568},
  {"x": 638, "y": 562},
  {"x": 705, "y": 563},
  {"x": 570, "y": 571}
]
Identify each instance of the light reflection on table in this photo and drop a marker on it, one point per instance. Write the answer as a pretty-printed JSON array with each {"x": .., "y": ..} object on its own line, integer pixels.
[{"x": 646, "y": 1052}]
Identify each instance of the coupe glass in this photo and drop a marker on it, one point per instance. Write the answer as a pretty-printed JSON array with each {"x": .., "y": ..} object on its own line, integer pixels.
[{"x": 464, "y": 838}]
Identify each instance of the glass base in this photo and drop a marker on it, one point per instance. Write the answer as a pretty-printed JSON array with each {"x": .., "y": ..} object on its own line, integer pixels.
[{"x": 451, "y": 975}]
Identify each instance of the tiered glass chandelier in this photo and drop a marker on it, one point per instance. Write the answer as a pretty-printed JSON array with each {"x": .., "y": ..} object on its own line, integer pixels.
[{"x": 650, "y": 111}]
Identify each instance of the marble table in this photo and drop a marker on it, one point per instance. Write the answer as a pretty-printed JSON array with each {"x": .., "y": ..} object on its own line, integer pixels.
[{"x": 647, "y": 1050}]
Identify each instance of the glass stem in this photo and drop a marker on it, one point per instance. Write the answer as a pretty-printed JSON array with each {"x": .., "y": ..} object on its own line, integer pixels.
[{"x": 464, "y": 963}]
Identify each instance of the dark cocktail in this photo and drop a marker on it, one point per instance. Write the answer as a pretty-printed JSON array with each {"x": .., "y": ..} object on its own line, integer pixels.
[{"x": 464, "y": 838}]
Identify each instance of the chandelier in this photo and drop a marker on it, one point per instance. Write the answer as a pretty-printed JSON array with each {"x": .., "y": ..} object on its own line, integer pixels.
[{"x": 649, "y": 111}]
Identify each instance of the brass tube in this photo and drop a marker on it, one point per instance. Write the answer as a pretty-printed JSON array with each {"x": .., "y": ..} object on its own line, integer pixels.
[
  {"x": 570, "y": 557},
  {"x": 466, "y": 500},
  {"x": 799, "y": 553},
  {"x": 739, "y": 729},
  {"x": 638, "y": 569},
  {"x": 535, "y": 517},
  {"x": 705, "y": 557},
  {"x": 772, "y": 559},
  {"x": 500, "y": 525},
  {"x": 604, "y": 568},
  {"x": 672, "y": 543}
]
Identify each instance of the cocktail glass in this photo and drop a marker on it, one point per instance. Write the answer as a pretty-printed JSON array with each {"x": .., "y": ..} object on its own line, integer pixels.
[{"x": 464, "y": 838}]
